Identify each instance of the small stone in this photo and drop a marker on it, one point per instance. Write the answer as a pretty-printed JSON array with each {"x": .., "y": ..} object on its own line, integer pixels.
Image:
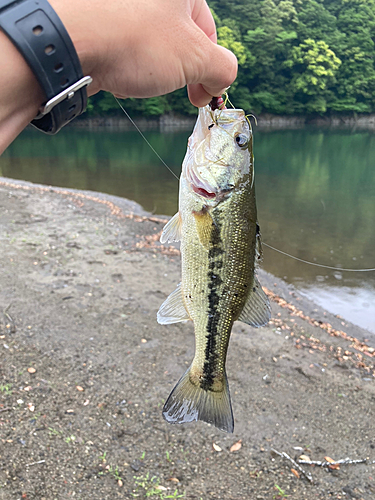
[
  {"x": 296, "y": 473},
  {"x": 236, "y": 446}
]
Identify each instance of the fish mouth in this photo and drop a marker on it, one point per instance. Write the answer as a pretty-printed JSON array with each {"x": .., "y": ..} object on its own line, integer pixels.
[
  {"x": 199, "y": 185},
  {"x": 202, "y": 192},
  {"x": 205, "y": 189},
  {"x": 206, "y": 172},
  {"x": 221, "y": 195}
]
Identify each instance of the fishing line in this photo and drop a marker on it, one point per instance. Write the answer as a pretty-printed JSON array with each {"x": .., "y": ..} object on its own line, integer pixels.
[
  {"x": 318, "y": 265},
  {"x": 228, "y": 100},
  {"x": 265, "y": 244},
  {"x": 142, "y": 135}
]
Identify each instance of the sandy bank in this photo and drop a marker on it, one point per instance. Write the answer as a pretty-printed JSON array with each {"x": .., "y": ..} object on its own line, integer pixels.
[{"x": 82, "y": 276}]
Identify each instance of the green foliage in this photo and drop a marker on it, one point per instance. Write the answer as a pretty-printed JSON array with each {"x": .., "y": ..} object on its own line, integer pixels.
[
  {"x": 280, "y": 493},
  {"x": 317, "y": 66},
  {"x": 227, "y": 38},
  {"x": 6, "y": 389},
  {"x": 295, "y": 57},
  {"x": 107, "y": 102},
  {"x": 155, "y": 106}
]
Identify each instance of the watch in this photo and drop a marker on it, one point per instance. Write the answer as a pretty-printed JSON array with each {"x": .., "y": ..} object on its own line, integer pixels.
[{"x": 38, "y": 33}]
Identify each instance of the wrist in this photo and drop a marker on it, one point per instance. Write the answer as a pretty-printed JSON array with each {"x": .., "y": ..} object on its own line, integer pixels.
[
  {"x": 36, "y": 30},
  {"x": 21, "y": 94},
  {"x": 85, "y": 38}
]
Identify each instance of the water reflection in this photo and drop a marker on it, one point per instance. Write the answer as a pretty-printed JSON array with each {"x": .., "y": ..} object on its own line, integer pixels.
[
  {"x": 119, "y": 163},
  {"x": 314, "y": 191}
]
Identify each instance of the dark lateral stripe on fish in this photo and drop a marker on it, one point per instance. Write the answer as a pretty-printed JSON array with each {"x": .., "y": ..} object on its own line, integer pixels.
[{"x": 214, "y": 314}]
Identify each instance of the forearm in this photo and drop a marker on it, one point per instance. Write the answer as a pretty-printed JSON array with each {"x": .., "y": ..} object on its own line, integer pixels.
[{"x": 21, "y": 95}]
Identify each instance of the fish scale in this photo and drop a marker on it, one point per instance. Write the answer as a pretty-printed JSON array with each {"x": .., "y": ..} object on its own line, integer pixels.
[
  {"x": 234, "y": 268},
  {"x": 217, "y": 227}
]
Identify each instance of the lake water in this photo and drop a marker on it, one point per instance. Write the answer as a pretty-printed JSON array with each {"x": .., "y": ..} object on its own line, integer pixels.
[{"x": 315, "y": 195}]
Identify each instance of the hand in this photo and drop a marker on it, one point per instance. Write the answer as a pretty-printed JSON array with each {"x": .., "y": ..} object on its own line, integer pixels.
[
  {"x": 132, "y": 48},
  {"x": 144, "y": 48}
]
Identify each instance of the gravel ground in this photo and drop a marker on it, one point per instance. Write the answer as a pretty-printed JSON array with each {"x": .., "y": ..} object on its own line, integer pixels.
[{"x": 85, "y": 370}]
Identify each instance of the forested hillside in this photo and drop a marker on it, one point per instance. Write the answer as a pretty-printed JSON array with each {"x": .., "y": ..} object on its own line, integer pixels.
[{"x": 299, "y": 57}]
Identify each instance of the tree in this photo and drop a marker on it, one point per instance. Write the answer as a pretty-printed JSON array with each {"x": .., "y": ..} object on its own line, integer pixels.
[
  {"x": 295, "y": 56},
  {"x": 315, "y": 66},
  {"x": 227, "y": 38}
]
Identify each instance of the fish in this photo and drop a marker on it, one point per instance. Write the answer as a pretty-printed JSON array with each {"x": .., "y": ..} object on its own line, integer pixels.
[{"x": 219, "y": 235}]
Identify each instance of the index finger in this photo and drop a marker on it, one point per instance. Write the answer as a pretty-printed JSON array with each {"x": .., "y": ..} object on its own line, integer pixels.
[{"x": 202, "y": 17}]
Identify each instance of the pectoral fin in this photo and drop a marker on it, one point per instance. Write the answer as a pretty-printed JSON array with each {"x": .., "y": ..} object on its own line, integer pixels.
[
  {"x": 173, "y": 309},
  {"x": 172, "y": 230},
  {"x": 257, "y": 310}
]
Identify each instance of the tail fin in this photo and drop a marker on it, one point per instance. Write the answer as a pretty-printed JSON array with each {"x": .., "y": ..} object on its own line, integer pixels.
[{"x": 188, "y": 402}]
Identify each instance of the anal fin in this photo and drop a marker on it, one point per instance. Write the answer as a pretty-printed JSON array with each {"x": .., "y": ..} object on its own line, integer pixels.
[
  {"x": 173, "y": 309},
  {"x": 257, "y": 310}
]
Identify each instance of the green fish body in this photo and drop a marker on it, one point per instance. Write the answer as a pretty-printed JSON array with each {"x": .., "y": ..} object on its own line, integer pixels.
[{"x": 220, "y": 244}]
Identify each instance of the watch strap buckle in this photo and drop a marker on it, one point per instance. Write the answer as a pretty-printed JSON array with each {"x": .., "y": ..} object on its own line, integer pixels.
[{"x": 68, "y": 93}]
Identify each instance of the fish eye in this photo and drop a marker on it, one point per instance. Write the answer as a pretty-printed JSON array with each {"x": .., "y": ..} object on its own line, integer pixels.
[{"x": 242, "y": 141}]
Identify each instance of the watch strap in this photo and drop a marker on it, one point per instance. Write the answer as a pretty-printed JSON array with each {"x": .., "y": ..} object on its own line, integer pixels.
[{"x": 38, "y": 33}]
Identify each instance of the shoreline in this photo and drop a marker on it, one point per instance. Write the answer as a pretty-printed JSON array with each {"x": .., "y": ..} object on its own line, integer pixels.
[
  {"x": 85, "y": 368},
  {"x": 132, "y": 208},
  {"x": 266, "y": 121}
]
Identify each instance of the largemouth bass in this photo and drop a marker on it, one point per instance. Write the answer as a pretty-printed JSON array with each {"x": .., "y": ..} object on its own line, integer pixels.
[{"x": 220, "y": 245}]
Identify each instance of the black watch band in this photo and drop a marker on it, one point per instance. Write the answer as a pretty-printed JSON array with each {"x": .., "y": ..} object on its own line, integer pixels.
[{"x": 38, "y": 33}]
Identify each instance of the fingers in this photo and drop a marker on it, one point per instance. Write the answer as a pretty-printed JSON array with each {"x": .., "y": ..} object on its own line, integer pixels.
[
  {"x": 198, "y": 96},
  {"x": 218, "y": 71},
  {"x": 202, "y": 17},
  {"x": 211, "y": 68}
]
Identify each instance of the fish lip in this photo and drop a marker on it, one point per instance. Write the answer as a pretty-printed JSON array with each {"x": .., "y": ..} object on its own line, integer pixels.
[
  {"x": 216, "y": 196},
  {"x": 203, "y": 192}
]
